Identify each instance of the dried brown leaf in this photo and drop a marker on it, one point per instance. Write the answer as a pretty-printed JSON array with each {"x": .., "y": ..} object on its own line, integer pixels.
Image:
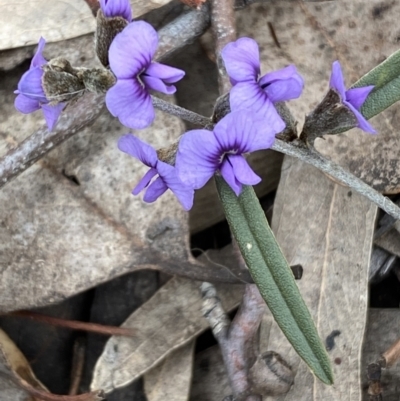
[
  {"x": 169, "y": 320},
  {"x": 172, "y": 378}
]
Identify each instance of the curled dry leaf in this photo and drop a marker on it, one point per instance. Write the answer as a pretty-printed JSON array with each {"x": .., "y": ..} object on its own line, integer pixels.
[{"x": 169, "y": 320}]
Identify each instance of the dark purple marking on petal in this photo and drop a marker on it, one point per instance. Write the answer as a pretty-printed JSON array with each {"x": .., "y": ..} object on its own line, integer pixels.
[
  {"x": 242, "y": 171},
  {"x": 117, "y": 8},
  {"x": 229, "y": 176},
  {"x": 145, "y": 181},
  {"x": 155, "y": 190},
  {"x": 131, "y": 103},
  {"x": 242, "y": 60},
  {"x": 198, "y": 157},
  {"x": 132, "y": 50},
  {"x": 142, "y": 151},
  {"x": 357, "y": 96},
  {"x": 52, "y": 113}
]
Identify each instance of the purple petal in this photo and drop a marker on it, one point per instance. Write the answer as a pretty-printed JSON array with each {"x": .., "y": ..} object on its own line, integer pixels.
[
  {"x": 357, "y": 96},
  {"x": 282, "y": 85},
  {"x": 251, "y": 97},
  {"x": 131, "y": 103},
  {"x": 168, "y": 74},
  {"x": 244, "y": 131},
  {"x": 116, "y": 8},
  {"x": 145, "y": 181},
  {"x": 242, "y": 60},
  {"x": 362, "y": 121},
  {"x": 138, "y": 149},
  {"x": 25, "y": 104},
  {"x": 337, "y": 81},
  {"x": 30, "y": 85},
  {"x": 132, "y": 50},
  {"x": 198, "y": 157},
  {"x": 229, "y": 176},
  {"x": 38, "y": 60},
  {"x": 243, "y": 173},
  {"x": 158, "y": 85},
  {"x": 155, "y": 190},
  {"x": 51, "y": 114},
  {"x": 184, "y": 193}
]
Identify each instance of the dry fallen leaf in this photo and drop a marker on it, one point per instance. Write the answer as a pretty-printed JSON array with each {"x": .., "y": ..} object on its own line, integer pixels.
[
  {"x": 172, "y": 378},
  {"x": 169, "y": 320}
]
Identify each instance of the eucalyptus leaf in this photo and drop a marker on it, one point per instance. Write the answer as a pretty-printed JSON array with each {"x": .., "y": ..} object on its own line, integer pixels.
[
  {"x": 386, "y": 79},
  {"x": 274, "y": 279}
]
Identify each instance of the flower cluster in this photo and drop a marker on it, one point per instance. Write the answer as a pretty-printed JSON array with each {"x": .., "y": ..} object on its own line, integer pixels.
[{"x": 252, "y": 124}]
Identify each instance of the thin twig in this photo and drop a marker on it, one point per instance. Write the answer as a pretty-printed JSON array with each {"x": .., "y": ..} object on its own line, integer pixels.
[
  {"x": 78, "y": 359},
  {"x": 223, "y": 28},
  {"x": 75, "y": 325},
  {"x": 311, "y": 157},
  {"x": 180, "y": 112}
]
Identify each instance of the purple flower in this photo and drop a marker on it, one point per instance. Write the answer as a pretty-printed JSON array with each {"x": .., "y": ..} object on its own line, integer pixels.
[
  {"x": 352, "y": 98},
  {"x": 242, "y": 63},
  {"x": 31, "y": 96},
  {"x": 167, "y": 177},
  {"x": 201, "y": 152},
  {"x": 116, "y": 8},
  {"x": 130, "y": 58}
]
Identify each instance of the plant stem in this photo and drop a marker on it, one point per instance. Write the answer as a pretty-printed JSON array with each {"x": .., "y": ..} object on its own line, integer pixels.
[{"x": 182, "y": 113}]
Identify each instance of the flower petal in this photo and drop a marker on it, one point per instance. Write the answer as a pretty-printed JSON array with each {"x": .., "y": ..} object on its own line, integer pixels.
[
  {"x": 145, "y": 181},
  {"x": 138, "y": 149},
  {"x": 282, "y": 85},
  {"x": 131, "y": 103},
  {"x": 229, "y": 176},
  {"x": 158, "y": 85},
  {"x": 242, "y": 60},
  {"x": 362, "y": 121},
  {"x": 51, "y": 114},
  {"x": 25, "y": 104},
  {"x": 337, "y": 81},
  {"x": 184, "y": 193},
  {"x": 244, "y": 131},
  {"x": 132, "y": 50},
  {"x": 168, "y": 74},
  {"x": 197, "y": 158},
  {"x": 38, "y": 60},
  {"x": 30, "y": 85},
  {"x": 116, "y": 8},
  {"x": 243, "y": 172},
  {"x": 155, "y": 190},
  {"x": 357, "y": 96}
]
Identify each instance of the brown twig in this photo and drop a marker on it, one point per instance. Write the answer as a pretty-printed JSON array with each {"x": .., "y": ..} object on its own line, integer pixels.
[
  {"x": 78, "y": 359},
  {"x": 94, "y": 6},
  {"x": 75, "y": 325},
  {"x": 223, "y": 27}
]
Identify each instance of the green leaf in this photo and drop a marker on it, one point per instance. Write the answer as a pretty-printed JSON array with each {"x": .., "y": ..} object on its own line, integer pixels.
[
  {"x": 272, "y": 274},
  {"x": 386, "y": 78}
]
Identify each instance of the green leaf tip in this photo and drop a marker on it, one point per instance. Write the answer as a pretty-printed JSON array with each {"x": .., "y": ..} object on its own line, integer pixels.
[
  {"x": 386, "y": 79},
  {"x": 273, "y": 277}
]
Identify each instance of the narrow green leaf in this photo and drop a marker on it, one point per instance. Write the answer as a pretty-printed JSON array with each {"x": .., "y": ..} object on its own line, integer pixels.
[
  {"x": 386, "y": 78},
  {"x": 272, "y": 274}
]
